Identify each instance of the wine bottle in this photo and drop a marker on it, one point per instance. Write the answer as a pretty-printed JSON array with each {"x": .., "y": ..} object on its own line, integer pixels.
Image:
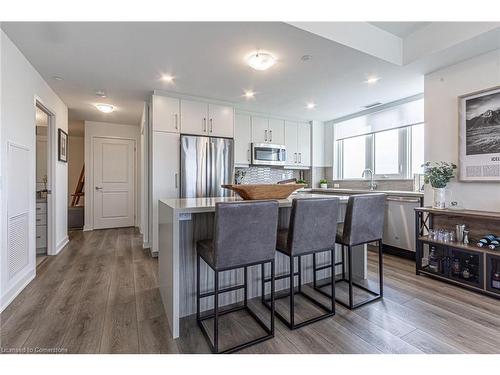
[
  {"x": 486, "y": 240},
  {"x": 495, "y": 279},
  {"x": 494, "y": 244}
]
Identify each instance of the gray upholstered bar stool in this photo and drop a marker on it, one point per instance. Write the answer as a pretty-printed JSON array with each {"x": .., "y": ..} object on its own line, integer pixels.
[
  {"x": 244, "y": 235},
  {"x": 313, "y": 224},
  {"x": 363, "y": 224}
]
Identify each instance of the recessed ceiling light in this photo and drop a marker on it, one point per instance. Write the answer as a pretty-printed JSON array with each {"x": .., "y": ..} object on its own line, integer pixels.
[
  {"x": 372, "y": 80},
  {"x": 260, "y": 60},
  {"x": 249, "y": 94},
  {"x": 100, "y": 94},
  {"x": 167, "y": 78},
  {"x": 311, "y": 105},
  {"x": 57, "y": 78},
  {"x": 105, "y": 108}
]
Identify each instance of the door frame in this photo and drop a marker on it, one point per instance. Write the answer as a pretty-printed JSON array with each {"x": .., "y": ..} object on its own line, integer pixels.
[
  {"x": 90, "y": 185},
  {"x": 51, "y": 175}
]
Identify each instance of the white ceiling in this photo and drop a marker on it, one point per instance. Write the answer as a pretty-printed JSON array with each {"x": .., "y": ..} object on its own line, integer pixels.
[
  {"x": 126, "y": 60},
  {"x": 400, "y": 29}
]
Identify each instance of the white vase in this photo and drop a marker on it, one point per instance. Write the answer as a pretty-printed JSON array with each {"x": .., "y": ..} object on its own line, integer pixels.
[
  {"x": 439, "y": 198},
  {"x": 323, "y": 186}
]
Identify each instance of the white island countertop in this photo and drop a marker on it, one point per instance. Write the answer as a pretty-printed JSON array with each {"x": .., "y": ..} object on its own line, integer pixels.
[
  {"x": 196, "y": 205},
  {"x": 398, "y": 193}
]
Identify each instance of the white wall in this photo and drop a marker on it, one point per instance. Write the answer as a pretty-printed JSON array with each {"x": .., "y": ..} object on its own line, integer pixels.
[
  {"x": 107, "y": 129},
  {"x": 20, "y": 86},
  {"x": 76, "y": 151},
  {"x": 441, "y": 92}
]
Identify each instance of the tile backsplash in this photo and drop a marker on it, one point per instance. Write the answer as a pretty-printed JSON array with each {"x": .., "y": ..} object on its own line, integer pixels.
[{"x": 266, "y": 175}]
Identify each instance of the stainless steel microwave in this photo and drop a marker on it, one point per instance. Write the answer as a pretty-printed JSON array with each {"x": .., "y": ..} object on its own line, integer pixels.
[{"x": 268, "y": 154}]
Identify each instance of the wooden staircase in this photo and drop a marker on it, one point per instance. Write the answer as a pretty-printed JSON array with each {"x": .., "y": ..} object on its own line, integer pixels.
[{"x": 79, "y": 189}]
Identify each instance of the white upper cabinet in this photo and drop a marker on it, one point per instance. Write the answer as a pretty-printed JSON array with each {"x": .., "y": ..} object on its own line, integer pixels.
[
  {"x": 194, "y": 117},
  {"x": 298, "y": 144},
  {"x": 291, "y": 143},
  {"x": 166, "y": 114},
  {"x": 277, "y": 131},
  {"x": 304, "y": 144},
  {"x": 242, "y": 139},
  {"x": 200, "y": 118},
  {"x": 260, "y": 129},
  {"x": 220, "y": 121}
]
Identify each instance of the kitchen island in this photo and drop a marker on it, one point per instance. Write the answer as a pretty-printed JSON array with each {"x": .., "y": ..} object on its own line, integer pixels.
[{"x": 182, "y": 222}]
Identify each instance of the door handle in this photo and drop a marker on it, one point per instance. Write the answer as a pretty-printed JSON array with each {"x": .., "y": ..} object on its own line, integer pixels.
[
  {"x": 211, "y": 125},
  {"x": 176, "y": 121},
  {"x": 270, "y": 135},
  {"x": 98, "y": 188},
  {"x": 265, "y": 135},
  {"x": 204, "y": 124}
]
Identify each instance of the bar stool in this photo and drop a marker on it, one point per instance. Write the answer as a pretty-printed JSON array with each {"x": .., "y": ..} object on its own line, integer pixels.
[
  {"x": 363, "y": 224},
  {"x": 313, "y": 223},
  {"x": 244, "y": 235}
]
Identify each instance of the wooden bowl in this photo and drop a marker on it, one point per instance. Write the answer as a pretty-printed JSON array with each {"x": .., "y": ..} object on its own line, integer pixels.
[{"x": 264, "y": 191}]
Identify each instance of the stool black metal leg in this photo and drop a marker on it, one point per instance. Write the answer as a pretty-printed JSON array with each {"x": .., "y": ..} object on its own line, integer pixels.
[
  {"x": 299, "y": 265},
  {"x": 314, "y": 271},
  {"x": 197, "y": 287},
  {"x": 216, "y": 312},
  {"x": 332, "y": 281},
  {"x": 292, "y": 313},
  {"x": 381, "y": 268},
  {"x": 349, "y": 257},
  {"x": 272, "y": 297},
  {"x": 245, "y": 289},
  {"x": 343, "y": 263},
  {"x": 263, "y": 284}
]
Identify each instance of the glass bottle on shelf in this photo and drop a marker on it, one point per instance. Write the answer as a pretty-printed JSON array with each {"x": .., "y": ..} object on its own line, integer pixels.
[
  {"x": 495, "y": 278},
  {"x": 455, "y": 267},
  {"x": 467, "y": 272},
  {"x": 433, "y": 260}
]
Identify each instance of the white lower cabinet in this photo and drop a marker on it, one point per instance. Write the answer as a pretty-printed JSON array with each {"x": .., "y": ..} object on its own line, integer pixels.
[
  {"x": 165, "y": 173},
  {"x": 298, "y": 144},
  {"x": 242, "y": 139}
]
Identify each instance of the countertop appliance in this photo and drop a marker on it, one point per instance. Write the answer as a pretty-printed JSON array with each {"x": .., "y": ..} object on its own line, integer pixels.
[
  {"x": 268, "y": 154},
  {"x": 206, "y": 164}
]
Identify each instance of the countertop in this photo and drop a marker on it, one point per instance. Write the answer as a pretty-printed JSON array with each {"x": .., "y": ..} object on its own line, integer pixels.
[
  {"x": 399, "y": 193},
  {"x": 198, "y": 205}
]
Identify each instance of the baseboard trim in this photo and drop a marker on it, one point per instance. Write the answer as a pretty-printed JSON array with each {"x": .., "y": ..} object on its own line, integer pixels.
[
  {"x": 146, "y": 245},
  {"x": 61, "y": 244},
  {"x": 14, "y": 291},
  {"x": 403, "y": 253},
  {"x": 86, "y": 228}
]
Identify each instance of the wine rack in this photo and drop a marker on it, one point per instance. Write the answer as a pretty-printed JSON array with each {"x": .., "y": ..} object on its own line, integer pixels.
[{"x": 465, "y": 265}]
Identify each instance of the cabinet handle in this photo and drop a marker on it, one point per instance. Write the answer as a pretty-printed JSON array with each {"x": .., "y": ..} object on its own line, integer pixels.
[
  {"x": 295, "y": 157},
  {"x": 176, "y": 183},
  {"x": 270, "y": 135},
  {"x": 211, "y": 125},
  {"x": 38, "y": 236},
  {"x": 204, "y": 124},
  {"x": 248, "y": 155},
  {"x": 176, "y": 121},
  {"x": 265, "y": 135},
  {"x": 300, "y": 157}
]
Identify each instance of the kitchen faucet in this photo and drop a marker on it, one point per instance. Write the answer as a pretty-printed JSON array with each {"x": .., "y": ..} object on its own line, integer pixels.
[{"x": 372, "y": 184}]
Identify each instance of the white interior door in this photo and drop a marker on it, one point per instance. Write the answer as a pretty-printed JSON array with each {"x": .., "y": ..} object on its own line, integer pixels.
[{"x": 114, "y": 182}]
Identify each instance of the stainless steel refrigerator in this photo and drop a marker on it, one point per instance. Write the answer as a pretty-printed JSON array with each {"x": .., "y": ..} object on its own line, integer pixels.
[{"x": 206, "y": 164}]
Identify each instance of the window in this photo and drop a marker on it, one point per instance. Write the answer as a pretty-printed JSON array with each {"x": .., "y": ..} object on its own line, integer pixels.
[
  {"x": 354, "y": 150},
  {"x": 387, "y": 152},
  {"x": 417, "y": 148},
  {"x": 396, "y": 153}
]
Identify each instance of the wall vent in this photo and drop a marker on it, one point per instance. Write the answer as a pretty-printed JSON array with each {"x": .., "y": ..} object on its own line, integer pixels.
[
  {"x": 372, "y": 105},
  {"x": 18, "y": 243}
]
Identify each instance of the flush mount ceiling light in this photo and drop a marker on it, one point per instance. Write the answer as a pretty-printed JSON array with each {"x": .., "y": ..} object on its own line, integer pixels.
[
  {"x": 167, "y": 78},
  {"x": 100, "y": 94},
  {"x": 105, "y": 108},
  {"x": 311, "y": 105},
  {"x": 260, "y": 60},
  {"x": 372, "y": 80},
  {"x": 249, "y": 94},
  {"x": 57, "y": 78}
]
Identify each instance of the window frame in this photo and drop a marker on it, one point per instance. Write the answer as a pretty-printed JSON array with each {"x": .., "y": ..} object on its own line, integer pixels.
[{"x": 404, "y": 154}]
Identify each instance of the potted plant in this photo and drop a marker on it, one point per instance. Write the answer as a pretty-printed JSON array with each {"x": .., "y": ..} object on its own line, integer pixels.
[
  {"x": 323, "y": 183},
  {"x": 302, "y": 181},
  {"x": 438, "y": 174}
]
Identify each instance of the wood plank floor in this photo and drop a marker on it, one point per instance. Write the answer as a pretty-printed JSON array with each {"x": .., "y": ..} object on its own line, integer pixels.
[{"x": 100, "y": 295}]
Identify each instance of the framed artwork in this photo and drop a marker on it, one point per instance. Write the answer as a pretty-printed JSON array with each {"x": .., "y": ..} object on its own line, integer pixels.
[
  {"x": 479, "y": 136},
  {"x": 62, "y": 145}
]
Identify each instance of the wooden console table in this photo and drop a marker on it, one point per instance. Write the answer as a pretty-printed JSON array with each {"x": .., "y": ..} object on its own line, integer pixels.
[{"x": 453, "y": 256}]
